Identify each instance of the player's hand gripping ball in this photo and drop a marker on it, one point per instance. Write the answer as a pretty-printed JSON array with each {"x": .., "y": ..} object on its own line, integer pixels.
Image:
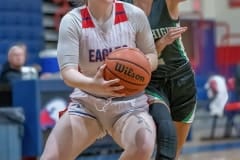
[{"x": 131, "y": 66}]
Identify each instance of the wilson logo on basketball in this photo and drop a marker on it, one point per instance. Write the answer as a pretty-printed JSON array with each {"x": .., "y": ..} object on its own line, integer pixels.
[{"x": 128, "y": 71}]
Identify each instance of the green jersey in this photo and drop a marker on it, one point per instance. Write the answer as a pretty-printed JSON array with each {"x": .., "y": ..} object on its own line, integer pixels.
[{"x": 173, "y": 55}]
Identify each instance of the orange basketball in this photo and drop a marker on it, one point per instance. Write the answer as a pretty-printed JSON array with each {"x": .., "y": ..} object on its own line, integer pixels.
[{"x": 131, "y": 66}]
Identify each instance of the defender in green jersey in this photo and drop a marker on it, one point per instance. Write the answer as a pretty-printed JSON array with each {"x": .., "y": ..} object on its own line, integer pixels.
[{"x": 172, "y": 85}]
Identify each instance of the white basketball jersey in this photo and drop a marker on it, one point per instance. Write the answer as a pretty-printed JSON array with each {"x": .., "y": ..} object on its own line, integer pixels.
[
  {"x": 97, "y": 41},
  {"x": 86, "y": 43}
]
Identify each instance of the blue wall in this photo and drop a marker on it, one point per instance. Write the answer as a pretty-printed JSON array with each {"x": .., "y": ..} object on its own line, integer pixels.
[{"x": 28, "y": 94}]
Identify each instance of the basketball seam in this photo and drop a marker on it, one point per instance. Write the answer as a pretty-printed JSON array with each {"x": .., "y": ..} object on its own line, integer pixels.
[
  {"x": 130, "y": 62},
  {"x": 124, "y": 79}
]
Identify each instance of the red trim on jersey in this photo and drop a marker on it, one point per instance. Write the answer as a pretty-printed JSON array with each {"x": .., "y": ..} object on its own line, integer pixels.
[
  {"x": 60, "y": 113},
  {"x": 120, "y": 14},
  {"x": 86, "y": 19}
]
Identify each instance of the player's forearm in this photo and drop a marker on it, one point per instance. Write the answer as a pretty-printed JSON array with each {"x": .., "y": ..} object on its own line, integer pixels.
[
  {"x": 75, "y": 79},
  {"x": 153, "y": 60},
  {"x": 160, "y": 45},
  {"x": 145, "y": 5}
]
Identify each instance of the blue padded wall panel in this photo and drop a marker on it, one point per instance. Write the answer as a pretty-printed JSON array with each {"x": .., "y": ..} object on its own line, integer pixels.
[
  {"x": 208, "y": 48},
  {"x": 21, "y": 21},
  {"x": 26, "y": 94},
  {"x": 4, "y": 46}
]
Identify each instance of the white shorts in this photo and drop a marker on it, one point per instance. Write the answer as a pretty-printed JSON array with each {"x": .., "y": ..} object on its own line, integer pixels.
[{"x": 106, "y": 111}]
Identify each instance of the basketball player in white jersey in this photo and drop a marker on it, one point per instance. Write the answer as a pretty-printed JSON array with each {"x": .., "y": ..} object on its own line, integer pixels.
[{"x": 87, "y": 35}]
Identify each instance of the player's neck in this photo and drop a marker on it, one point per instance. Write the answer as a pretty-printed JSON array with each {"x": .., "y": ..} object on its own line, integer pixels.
[
  {"x": 145, "y": 5},
  {"x": 101, "y": 11}
]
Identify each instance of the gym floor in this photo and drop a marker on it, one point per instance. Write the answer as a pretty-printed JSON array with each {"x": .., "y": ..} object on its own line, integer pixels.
[
  {"x": 200, "y": 147},
  {"x": 212, "y": 150}
]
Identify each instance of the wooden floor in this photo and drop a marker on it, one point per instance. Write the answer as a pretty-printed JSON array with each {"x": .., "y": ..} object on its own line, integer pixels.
[
  {"x": 212, "y": 150},
  {"x": 197, "y": 148},
  {"x": 233, "y": 154}
]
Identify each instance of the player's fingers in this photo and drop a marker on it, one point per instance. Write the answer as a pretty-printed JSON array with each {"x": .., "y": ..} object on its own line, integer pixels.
[
  {"x": 176, "y": 36},
  {"x": 112, "y": 91},
  {"x": 112, "y": 82},
  {"x": 102, "y": 67},
  {"x": 172, "y": 29},
  {"x": 178, "y": 31},
  {"x": 183, "y": 28},
  {"x": 115, "y": 94},
  {"x": 113, "y": 86},
  {"x": 117, "y": 88},
  {"x": 100, "y": 71}
]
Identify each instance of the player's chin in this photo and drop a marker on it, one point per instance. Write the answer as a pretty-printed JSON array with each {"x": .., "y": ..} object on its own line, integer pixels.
[{"x": 108, "y": 1}]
